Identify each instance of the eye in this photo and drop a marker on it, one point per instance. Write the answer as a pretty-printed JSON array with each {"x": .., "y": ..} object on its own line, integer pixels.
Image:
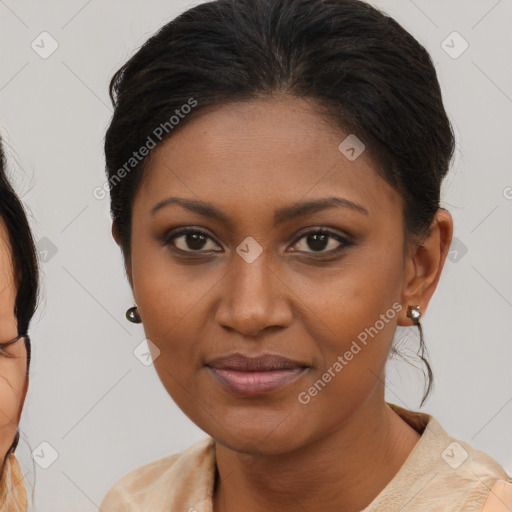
[
  {"x": 196, "y": 241},
  {"x": 3, "y": 352},
  {"x": 4, "y": 346},
  {"x": 189, "y": 240},
  {"x": 319, "y": 240}
]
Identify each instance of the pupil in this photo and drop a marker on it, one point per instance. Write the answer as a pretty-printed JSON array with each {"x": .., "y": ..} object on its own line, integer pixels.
[
  {"x": 195, "y": 240},
  {"x": 319, "y": 241}
]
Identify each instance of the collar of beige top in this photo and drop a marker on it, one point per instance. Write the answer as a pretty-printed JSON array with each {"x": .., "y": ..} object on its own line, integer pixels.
[{"x": 441, "y": 473}]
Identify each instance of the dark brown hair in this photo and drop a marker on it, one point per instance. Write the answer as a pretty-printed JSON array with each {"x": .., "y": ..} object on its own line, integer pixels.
[
  {"x": 24, "y": 256},
  {"x": 365, "y": 73}
]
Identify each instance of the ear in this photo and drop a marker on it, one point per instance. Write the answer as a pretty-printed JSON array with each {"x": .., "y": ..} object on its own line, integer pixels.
[
  {"x": 127, "y": 262},
  {"x": 424, "y": 264}
]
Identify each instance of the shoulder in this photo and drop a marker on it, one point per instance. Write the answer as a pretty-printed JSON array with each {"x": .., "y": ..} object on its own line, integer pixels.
[
  {"x": 160, "y": 483},
  {"x": 465, "y": 473},
  {"x": 469, "y": 476},
  {"x": 500, "y": 497},
  {"x": 444, "y": 473}
]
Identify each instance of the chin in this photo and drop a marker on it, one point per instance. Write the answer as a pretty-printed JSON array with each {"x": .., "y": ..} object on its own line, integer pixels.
[{"x": 258, "y": 433}]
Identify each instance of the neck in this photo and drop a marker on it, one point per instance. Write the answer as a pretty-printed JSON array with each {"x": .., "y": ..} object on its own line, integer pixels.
[{"x": 345, "y": 470}]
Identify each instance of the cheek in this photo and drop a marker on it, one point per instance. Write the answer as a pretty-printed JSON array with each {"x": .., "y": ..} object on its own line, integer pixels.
[
  {"x": 351, "y": 316},
  {"x": 11, "y": 390},
  {"x": 337, "y": 306},
  {"x": 171, "y": 305},
  {"x": 352, "y": 345},
  {"x": 169, "y": 298},
  {"x": 164, "y": 290}
]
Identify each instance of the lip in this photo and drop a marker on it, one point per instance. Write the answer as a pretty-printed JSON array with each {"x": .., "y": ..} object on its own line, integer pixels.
[
  {"x": 251, "y": 376},
  {"x": 260, "y": 363}
]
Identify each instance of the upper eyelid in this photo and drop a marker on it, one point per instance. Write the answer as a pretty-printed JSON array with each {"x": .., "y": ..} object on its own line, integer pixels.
[
  {"x": 185, "y": 231},
  {"x": 6, "y": 344},
  {"x": 328, "y": 231},
  {"x": 12, "y": 341}
]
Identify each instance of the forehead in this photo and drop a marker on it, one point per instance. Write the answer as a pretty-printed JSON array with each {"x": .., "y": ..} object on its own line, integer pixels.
[{"x": 262, "y": 152}]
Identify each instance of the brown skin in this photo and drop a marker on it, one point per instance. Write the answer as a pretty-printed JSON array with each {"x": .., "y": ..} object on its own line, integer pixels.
[{"x": 248, "y": 159}]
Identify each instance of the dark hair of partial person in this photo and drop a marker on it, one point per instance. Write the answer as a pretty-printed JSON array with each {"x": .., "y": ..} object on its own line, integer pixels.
[
  {"x": 24, "y": 257},
  {"x": 362, "y": 71},
  {"x": 26, "y": 270}
]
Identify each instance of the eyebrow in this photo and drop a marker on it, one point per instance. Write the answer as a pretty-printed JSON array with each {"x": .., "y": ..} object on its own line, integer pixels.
[{"x": 281, "y": 215}]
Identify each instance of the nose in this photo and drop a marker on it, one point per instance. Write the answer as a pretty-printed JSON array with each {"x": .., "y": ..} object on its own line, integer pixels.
[{"x": 253, "y": 298}]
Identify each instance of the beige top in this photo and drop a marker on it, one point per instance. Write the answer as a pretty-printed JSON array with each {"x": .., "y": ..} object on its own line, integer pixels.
[{"x": 441, "y": 474}]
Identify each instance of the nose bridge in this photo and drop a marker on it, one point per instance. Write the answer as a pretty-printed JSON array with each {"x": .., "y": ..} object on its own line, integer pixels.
[
  {"x": 252, "y": 277},
  {"x": 252, "y": 299}
]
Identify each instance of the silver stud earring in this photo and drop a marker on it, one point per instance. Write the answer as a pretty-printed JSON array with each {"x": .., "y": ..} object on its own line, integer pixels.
[{"x": 414, "y": 313}]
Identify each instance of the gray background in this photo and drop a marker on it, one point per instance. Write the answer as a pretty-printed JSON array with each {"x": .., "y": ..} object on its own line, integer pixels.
[{"x": 90, "y": 398}]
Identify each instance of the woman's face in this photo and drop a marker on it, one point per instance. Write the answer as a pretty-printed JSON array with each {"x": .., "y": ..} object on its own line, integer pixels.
[
  {"x": 262, "y": 278},
  {"x": 13, "y": 381}
]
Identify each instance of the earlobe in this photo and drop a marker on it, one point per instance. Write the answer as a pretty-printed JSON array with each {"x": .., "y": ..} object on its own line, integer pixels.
[{"x": 424, "y": 265}]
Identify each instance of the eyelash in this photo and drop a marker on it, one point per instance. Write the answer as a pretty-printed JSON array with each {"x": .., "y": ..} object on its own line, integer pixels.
[
  {"x": 3, "y": 353},
  {"x": 169, "y": 237},
  {"x": 3, "y": 346}
]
